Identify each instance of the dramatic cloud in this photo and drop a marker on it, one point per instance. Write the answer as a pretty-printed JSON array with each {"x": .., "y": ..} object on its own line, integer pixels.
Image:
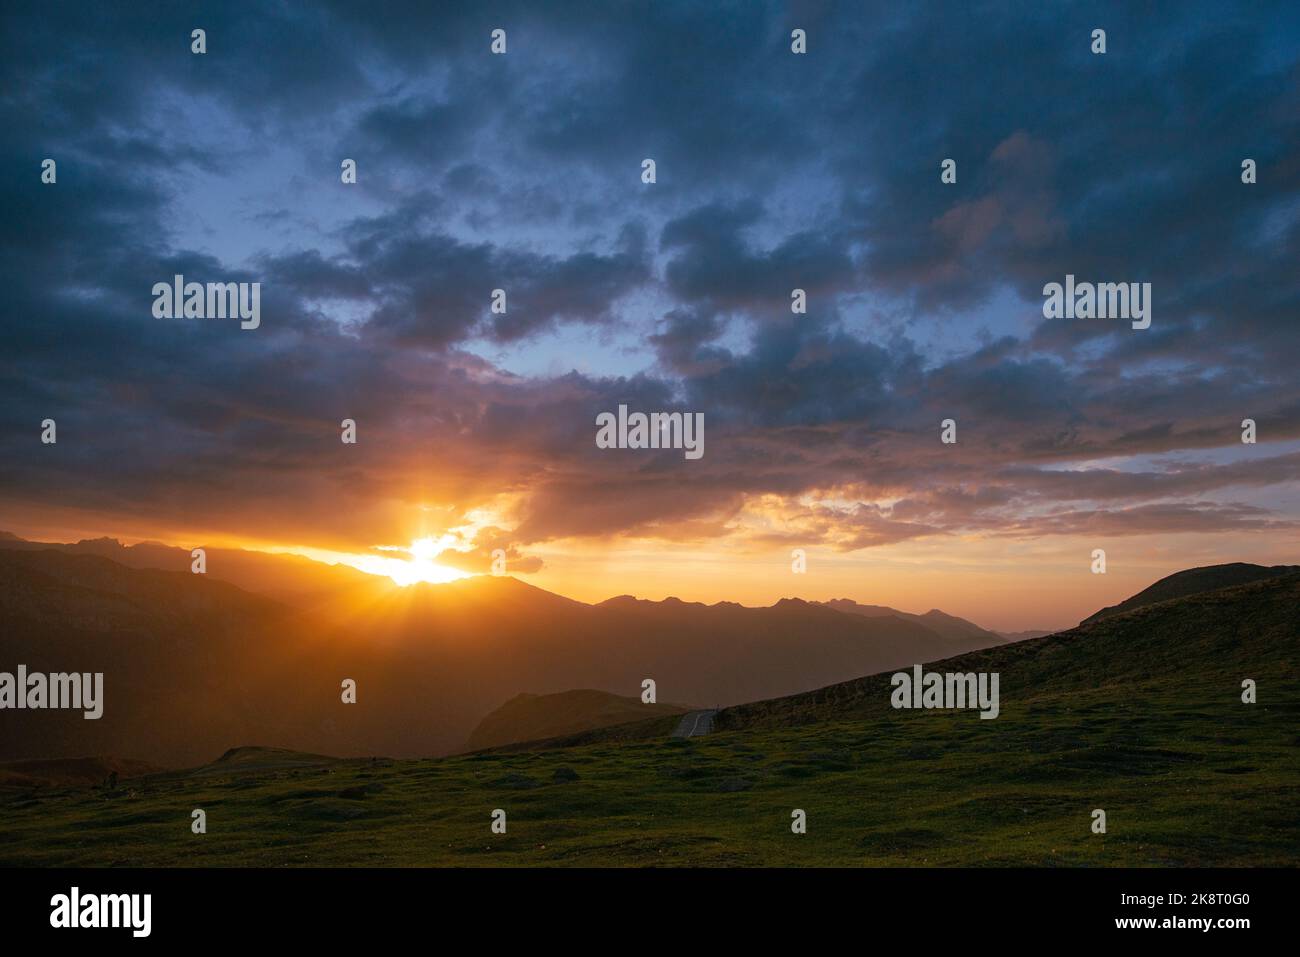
[{"x": 775, "y": 171}]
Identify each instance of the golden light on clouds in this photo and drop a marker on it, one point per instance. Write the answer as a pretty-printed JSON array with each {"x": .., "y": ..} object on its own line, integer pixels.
[{"x": 408, "y": 565}]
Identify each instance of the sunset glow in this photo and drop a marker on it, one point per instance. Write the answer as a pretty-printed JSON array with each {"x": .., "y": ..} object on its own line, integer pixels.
[
  {"x": 409, "y": 565},
  {"x": 418, "y": 565},
  {"x": 808, "y": 290}
]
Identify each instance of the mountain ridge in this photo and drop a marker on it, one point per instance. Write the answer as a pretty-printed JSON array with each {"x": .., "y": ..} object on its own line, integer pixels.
[
  {"x": 1190, "y": 581},
  {"x": 212, "y": 663}
]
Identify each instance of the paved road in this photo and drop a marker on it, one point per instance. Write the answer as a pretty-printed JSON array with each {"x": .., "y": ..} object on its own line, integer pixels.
[{"x": 695, "y": 723}]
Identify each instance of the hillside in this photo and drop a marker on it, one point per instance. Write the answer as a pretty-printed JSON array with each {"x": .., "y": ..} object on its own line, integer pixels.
[
  {"x": 1139, "y": 715},
  {"x": 1208, "y": 638},
  {"x": 527, "y": 717},
  {"x": 253, "y": 758},
  {"x": 71, "y": 772},
  {"x": 1022, "y": 635},
  {"x": 1193, "y": 580}
]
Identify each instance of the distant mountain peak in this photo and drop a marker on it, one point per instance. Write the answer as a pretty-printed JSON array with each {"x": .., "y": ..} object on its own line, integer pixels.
[
  {"x": 947, "y": 626},
  {"x": 103, "y": 541}
]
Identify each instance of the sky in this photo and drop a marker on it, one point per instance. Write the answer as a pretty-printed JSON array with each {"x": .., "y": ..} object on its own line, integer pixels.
[{"x": 522, "y": 171}]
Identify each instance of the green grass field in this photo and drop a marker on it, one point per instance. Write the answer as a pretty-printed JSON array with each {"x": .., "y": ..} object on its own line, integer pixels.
[
  {"x": 1139, "y": 715},
  {"x": 1210, "y": 783}
]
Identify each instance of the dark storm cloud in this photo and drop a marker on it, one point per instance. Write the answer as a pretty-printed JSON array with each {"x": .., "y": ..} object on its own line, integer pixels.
[
  {"x": 712, "y": 261},
  {"x": 435, "y": 290},
  {"x": 682, "y": 341},
  {"x": 775, "y": 171},
  {"x": 1117, "y": 167},
  {"x": 802, "y": 371},
  {"x": 311, "y": 275}
]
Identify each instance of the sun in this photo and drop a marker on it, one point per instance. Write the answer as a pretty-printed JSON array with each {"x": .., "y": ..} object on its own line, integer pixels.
[
  {"x": 424, "y": 549},
  {"x": 420, "y": 566},
  {"x": 417, "y": 565},
  {"x": 409, "y": 565}
]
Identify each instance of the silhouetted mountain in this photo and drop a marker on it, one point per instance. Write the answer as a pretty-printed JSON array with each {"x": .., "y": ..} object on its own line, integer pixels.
[
  {"x": 193, "y": 664},
  {"x": 943, "y": 625},
  {"x": 1192, "y": 581},
  {"x": 527, "y": 717},
  {"x": 288, "y": 578}
]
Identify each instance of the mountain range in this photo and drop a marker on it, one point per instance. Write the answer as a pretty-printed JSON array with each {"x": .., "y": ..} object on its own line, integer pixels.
[{"x": 194, "y": 663}]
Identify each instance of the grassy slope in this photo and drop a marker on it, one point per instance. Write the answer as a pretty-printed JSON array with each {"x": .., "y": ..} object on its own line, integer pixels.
[
  {"x": 1192, "y": 581},
  {"x": 1218, "y": 637},
  {"x": 527, "y": 717},
  {"x": 70, "y": 772},
  {"x": 1139, "y": 715}
]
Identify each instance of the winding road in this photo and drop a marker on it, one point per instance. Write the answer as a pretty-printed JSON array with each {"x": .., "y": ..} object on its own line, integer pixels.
[{"x": 695, "y": 723}]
